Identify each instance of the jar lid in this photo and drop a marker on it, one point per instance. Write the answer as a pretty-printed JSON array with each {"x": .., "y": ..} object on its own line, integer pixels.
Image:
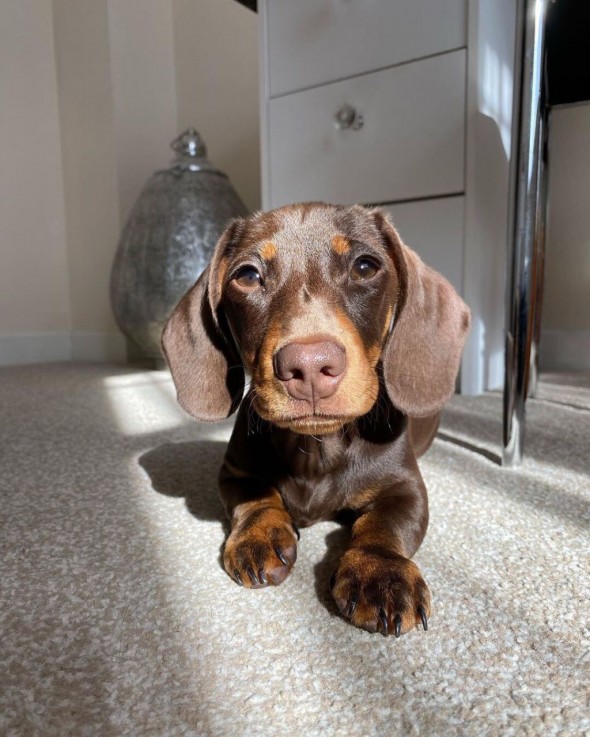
[{"x": 191, "y": 152}]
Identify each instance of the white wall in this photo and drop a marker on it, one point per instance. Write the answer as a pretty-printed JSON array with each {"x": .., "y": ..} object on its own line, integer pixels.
[
  {"x": 89, "y": 166},
  {"x": 34, "y": 285},
  {"x": 565, "y": 337},
  {"x": 216, "y": 52},
  {"x": 93, "y": 92},
  {"x": 144, "y": 93}
]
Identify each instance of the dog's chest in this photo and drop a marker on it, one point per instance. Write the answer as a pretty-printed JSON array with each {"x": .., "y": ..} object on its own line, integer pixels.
[
  {"x": 314, "y": 487},
  {"x": 312, "y": 501}
]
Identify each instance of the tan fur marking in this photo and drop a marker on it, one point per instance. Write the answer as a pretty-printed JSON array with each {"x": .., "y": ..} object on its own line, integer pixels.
[
  {"x": 360, "y": 380},
  {"x": 387, "y": 322},
  {"x": 389, "y": 584},
  {"x": 373, "y": 354},
  {"x": 355, "y": 396},
  {"x": 260, "y": 528},
  {"x": 340, "y": 244},
  {"x": 362, "y": 498},
  {"x": 368, "y": 531},
  {"x": 268, "y": 251},
  {"x": 272, "y": 505},
  {"x": 266, "y": 385}
]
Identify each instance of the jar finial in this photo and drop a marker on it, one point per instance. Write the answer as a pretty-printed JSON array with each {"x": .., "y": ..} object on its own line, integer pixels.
[{"x": 189, "y": 145}]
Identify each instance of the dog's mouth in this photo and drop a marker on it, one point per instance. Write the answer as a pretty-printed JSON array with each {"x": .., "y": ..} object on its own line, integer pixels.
[
  {"x": 312, "y": 424},
  {"x": 322, "y": 418}
]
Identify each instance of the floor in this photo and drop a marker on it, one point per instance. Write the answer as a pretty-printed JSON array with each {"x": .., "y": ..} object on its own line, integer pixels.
[{"x": 117, "y": 619}]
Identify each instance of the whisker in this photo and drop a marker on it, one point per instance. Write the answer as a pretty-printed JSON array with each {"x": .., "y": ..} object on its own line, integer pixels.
[{"x": 250, "y": 414}]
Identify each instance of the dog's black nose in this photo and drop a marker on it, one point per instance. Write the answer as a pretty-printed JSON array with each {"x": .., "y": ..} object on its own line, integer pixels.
[{"x": 310, "y": 370}]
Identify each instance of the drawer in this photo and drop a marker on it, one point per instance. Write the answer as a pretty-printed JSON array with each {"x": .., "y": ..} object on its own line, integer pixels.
[
  {"x": 312, "y": 42},
  {"x": 409, "y": 146},
  {"x": 434, "y": 229}
]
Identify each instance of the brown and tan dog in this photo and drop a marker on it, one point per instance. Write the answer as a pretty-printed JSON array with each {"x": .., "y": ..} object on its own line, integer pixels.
[{"x": 353, "y": 346}]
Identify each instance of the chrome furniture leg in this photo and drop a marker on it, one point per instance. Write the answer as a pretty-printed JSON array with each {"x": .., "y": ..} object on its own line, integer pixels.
[
  {"x": 539, "y": 252},
  {"x": 528, "y": 185}
]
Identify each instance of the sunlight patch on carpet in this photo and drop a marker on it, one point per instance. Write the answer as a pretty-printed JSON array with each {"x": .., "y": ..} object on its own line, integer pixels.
[{"x": 144, "y": 400}]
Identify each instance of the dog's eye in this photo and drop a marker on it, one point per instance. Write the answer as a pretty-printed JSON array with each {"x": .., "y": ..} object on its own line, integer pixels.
[
  {"x": 248, "y": 278},
  {"x": 364, "y": 268}
]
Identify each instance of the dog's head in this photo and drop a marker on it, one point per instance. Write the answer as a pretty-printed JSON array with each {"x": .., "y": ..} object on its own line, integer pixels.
[{"x": 316, "y": 302}]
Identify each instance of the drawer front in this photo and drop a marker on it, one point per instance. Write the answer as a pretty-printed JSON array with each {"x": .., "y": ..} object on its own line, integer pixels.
[
  {"x": 312, "y": 42},
  {"x": 434, "y": 229},
  {"x": 409, "y": 146}
]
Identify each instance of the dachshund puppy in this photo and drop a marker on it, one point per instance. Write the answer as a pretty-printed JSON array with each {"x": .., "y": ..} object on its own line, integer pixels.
[{"x": 353, "y": 345}]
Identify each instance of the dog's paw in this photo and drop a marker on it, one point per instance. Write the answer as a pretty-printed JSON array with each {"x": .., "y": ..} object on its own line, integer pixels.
[
  {"x": 381, "y": 592},
  {"x": 261, "y": 549}
]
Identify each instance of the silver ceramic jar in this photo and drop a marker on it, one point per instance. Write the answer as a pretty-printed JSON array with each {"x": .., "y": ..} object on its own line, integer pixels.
[{"x": 168, "y": 241}]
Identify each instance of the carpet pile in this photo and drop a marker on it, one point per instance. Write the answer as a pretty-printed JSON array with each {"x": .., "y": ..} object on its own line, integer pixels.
[{"x": 117, "y": 619}]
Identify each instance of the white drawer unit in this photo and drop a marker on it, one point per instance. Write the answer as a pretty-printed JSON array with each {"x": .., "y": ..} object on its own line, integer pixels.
[
  {"x": 410, "y": 144},
  {"x": 434, "y": 229},
  {"x": 312, "y": 42},
  {"x": 403, "y": 103}
]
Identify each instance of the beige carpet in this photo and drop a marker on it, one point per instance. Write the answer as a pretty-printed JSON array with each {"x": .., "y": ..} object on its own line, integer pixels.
[{"x": 116, "y": 618}]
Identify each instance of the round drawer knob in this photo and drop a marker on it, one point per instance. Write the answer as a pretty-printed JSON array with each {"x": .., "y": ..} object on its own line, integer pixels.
[{"x": 348, "y": 117}]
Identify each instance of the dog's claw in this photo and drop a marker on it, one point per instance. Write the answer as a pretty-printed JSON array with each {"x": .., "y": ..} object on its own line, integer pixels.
[
  {"x": 423, "y": 617},
  {"x": 281, "y": 557},
  {"x": 352, "y": 607},
  {"x": 238, "y": 577},
  {"x": 383, "y": 620},
  {"x": 398, "y": 625},
  {"x": 252, "y": 576},
  {"x": 296, "y": 530},
  {"x": 262, "y": 577}
]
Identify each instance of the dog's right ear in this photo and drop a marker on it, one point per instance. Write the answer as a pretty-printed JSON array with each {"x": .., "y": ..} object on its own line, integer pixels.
[{"x": 205, "y": 364}]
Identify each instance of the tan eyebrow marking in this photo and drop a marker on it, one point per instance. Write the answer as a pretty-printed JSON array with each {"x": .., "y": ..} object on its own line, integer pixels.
[
  {"x": 268, "y": 251},
  {"x": 387, "y": 322},
  {"x": 340, "y": 244}
]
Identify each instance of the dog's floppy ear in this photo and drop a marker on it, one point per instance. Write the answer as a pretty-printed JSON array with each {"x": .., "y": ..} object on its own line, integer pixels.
[
  {"x": 422, "y": 355},
  {"x": 205, "y": 364}
]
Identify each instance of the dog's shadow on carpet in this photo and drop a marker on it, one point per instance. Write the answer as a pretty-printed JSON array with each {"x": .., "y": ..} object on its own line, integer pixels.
[
  {"x": 188, "y": 470},
  {"x": 336, "y": 544}
]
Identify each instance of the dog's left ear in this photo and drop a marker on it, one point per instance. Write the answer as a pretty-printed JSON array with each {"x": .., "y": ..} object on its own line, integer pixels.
[
  {"x": 422, "y": 355},
  {"x": 205, "y": 364}
]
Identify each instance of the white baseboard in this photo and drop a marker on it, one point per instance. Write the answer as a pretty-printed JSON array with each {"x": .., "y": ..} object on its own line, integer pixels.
[
  {"x": 35, "y": 348},
  {"x": 98, "y": 347},
  {"x": 61, "y": 346},
  {"x": 564, "y": 350}
]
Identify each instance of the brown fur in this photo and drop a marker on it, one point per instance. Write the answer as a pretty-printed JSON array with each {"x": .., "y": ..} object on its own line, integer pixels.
[{"x": 295, "y": 461}]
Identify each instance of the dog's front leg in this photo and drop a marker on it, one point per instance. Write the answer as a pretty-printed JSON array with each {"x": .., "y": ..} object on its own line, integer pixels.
[
  {"x": 262, "y": 546},
  {"x": 376, "y": 585}
]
